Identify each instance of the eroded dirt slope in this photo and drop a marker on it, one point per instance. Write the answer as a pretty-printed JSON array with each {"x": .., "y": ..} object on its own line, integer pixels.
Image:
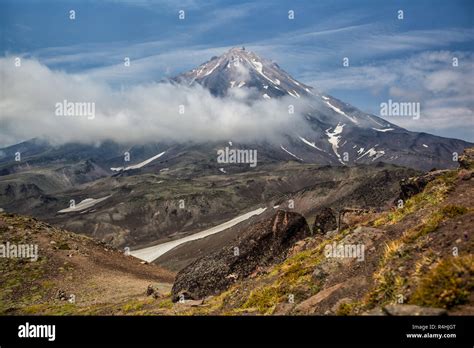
[{"x": 72, "y": 274}]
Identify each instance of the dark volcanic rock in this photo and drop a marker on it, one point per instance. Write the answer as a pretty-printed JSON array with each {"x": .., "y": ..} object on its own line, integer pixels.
[
  {"x": 262, "y": 244},
  {"x": 415, "y": 185},
  {"x": 325, "y": 221},
  {"x": 150, "y": 290}
]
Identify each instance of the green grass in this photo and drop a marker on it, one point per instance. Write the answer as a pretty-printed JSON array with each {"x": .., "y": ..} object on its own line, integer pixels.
[
  {"x": 448, "y": 284},
  {"x": 132, "y": 306},
  {"x": 347, "y": 308},
  {"x": 433, "y": 221},
  {"x": 433, "y": 194},
  {"x": 291, "y": 277},
  {"x": 263, "y": 299},
  {"x": 167, "y": 303},
  {"x": 387, "y": 284}
]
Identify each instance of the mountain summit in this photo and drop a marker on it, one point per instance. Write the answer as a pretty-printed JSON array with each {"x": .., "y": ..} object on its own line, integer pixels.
[{"x": 239, "y": 67}]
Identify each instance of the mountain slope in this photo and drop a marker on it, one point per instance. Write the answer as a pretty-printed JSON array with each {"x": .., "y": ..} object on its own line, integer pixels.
[{"x": 72, "y": 274}]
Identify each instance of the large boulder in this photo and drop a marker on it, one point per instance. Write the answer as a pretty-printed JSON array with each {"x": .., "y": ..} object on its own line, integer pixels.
[
  {"x": 261, "y": 245},
  {"x": 325, "y": 221}
]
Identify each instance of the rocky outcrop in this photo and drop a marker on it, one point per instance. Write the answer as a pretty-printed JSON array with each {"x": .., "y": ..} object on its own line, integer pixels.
[
  {"x": 308, "y": 305},
  {"x": 263, "y": 244},
  {"x": 466, "y": 160},
  {"x": 415, "y": 185},
  {"x": 325, "y": 221}
]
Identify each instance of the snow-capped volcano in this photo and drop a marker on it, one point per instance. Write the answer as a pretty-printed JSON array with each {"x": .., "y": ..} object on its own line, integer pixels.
[
  {"x": 337, "y": 133},
  {"x": 330, "y": 132},
  {"x": 239, "y": 68}
]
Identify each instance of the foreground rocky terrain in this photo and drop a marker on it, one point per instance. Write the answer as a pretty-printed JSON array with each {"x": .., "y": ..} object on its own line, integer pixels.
[
  {"x": 417, "y": 259},
  {"x": 418, "y": 254},
  {"x": 262, "y": 244},
  {"x": 72, "y": 273}
]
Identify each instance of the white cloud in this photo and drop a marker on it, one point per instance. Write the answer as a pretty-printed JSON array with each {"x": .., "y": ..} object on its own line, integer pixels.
[
  {"x": 444, "y": 91},
  {"x": 137, "y": 114}
]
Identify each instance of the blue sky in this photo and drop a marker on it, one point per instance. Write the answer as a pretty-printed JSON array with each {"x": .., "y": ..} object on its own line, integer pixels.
[{"x": 389, "y": 58}]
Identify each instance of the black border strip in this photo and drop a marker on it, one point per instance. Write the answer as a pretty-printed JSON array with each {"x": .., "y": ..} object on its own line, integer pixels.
[{"x": 243, "y": 331}]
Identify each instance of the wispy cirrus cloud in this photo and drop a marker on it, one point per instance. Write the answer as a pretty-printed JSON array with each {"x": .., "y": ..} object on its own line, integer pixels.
[{"x": 443, "y": 90}]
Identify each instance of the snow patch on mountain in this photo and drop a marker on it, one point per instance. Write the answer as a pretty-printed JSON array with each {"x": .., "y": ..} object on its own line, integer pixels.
[
  {"x": 294, "y": 94},
  {"x": 139, "y": 165},
  {"x": 150, "y": 254},
  {"x": 258, "y": 67},
  {"x": 211, "y": 70},
  {"x": 295, "y": 82},
  {"x": 291, "y": 154},
  {"x": 334, "y": 138},
  {"x": 375, "y": 121},
  {"x": 339, "y": 111},
  {"x": 84, "y": 204},
  {"x": 307, "y": 142},
  {"x": 383, "y": 130},
  {"x": 372, "y": 152}
]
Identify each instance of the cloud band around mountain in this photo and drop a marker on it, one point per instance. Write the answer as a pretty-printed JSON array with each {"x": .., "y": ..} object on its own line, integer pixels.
[{"x": 138, "y": 114}]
